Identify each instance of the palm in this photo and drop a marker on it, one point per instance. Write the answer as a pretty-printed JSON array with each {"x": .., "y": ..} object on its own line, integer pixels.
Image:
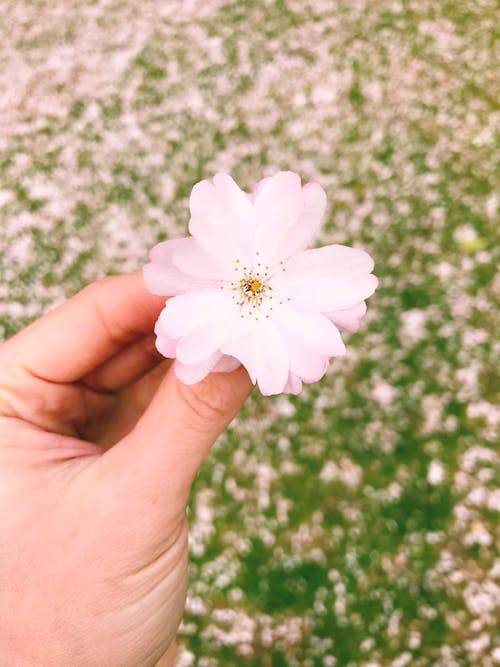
[
  {"x": 119, "y": 570},
  {"x": 116, "y": 412}
]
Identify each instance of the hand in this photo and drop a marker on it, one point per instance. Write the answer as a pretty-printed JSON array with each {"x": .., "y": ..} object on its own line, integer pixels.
[{"x": 99, "y": 444}]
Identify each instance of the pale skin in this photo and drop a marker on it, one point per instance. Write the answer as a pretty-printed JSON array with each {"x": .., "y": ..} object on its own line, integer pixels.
[{"x": 99, "y": 445}]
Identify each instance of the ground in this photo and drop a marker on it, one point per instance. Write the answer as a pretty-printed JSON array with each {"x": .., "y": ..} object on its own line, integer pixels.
[{"x": 355, "y": 525}]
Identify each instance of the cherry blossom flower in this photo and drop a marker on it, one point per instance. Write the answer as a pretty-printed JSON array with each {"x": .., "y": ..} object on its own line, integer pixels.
[{"x": 247, "y": 290}]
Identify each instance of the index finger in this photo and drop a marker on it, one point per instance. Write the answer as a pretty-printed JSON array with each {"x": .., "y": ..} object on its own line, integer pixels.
[{"x": 83, "y": 332}]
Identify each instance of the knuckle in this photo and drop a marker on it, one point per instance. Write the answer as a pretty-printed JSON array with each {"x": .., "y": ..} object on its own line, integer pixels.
[{"x": 96, "y": 286}]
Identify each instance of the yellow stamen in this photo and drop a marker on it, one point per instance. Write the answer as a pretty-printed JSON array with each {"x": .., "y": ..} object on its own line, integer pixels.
[{"x": 256, "y": 286}]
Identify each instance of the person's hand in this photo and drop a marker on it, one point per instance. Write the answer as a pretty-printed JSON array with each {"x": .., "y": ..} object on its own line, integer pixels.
[{"x": 99, "y": 444}]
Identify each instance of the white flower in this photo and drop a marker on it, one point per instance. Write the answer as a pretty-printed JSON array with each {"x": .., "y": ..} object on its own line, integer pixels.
[{"x": 247, "y": 290}]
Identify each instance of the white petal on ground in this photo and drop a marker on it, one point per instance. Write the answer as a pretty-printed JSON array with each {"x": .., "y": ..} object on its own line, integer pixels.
[{"x": 331, "y": 278}]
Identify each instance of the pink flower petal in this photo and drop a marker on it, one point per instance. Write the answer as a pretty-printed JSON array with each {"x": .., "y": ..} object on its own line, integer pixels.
[
  {"x": 258, "y": 187},
  {"x": 310, "y": 338},
  {"x": 186, "y": 313},
  {"x": 262, "y": 350},
  {"x": 279, "y": 204},
  {"x": 293, "y": 385},
  {"x": 222, "y": 219},
  {"x": 193, "y": 373},
  {"x": 216, "y": 363},
  {"x": 200, "y": 344},
  {"x": 165, "y": 345},
  {"x": 313, "y": 331},
  {"x": 162, "y": 277},
  {"x": 226, "y": 364},
  {"x": 331, "y": 278},
  {"x": 305, "y": 229},
  {"x": 348, "y": 319},
  {"x": 162, "y": 252},
  {"x": 291, "y": 223},
  {"x": 282, "y": 328},
  {"x": 192, "y": 259}
]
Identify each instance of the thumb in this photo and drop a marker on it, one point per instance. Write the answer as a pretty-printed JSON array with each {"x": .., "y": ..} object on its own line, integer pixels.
[{"x": 162, "y": 454}]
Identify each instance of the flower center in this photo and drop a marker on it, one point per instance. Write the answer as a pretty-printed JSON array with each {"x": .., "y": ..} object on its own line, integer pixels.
[{"x": 252, "y": 288}]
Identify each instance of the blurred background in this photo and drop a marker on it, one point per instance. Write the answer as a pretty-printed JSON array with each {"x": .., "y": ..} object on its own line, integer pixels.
[{"x": 355, "y": 525}]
